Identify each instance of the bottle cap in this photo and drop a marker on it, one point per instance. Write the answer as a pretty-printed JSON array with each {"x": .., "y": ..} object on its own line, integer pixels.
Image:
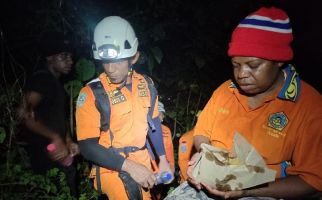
[{"x": 167, "y": 176}]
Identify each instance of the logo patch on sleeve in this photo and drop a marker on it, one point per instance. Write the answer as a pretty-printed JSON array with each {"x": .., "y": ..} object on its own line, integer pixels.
[
  {"x": 81, "y": 99},
  {"x": 183, "y": 147}
]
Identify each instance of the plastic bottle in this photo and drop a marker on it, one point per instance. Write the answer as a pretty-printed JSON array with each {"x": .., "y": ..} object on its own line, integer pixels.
[
  {"x": 163, "y": 178},
  {"x": 67, "y": 161}
]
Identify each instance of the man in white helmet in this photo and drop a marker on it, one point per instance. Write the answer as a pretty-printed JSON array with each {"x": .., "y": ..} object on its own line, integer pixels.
[{"x": 114, "y": 114}]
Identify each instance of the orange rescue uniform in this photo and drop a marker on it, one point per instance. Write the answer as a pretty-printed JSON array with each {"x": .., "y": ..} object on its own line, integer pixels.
[
  {"x": 280, "y": 129},
  {"x": 128, "y": 124},
  {"x": 186, "y": 150}
]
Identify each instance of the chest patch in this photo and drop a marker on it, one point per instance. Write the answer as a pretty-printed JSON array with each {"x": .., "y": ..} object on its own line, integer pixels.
[
  {"x": 116, "y": 97},
  {"x": 142, "y": 89},
  {"x": 277, "y": 121}
]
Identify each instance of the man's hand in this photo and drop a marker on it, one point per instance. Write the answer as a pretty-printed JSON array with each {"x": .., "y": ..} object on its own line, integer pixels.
[
  {"x": 61, "y": 151},
  {"x": 191, "y": 166},
  {"x": 139, "y": 173},
  {"x": 225, "y": 194},
  {"x": 73, "y": 148},
  {"x": 164, "y": 166}
]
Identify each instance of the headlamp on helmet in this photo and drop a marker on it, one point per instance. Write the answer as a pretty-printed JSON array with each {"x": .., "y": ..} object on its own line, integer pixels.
[{"x": 108, "y": 52}]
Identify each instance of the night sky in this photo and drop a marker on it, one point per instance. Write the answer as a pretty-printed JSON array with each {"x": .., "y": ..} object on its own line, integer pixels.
[{"x": 204, "y": 27}]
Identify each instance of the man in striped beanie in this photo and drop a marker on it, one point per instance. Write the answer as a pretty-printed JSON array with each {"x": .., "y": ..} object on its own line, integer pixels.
[{"x": 268, "y": 105}]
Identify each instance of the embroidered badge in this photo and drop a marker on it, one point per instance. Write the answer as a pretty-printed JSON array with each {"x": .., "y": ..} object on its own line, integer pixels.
[
  {"x": 81, "y": 99},
  {"x": 142, "y": 90},
  {"x": 141, "y": 86},
  {"x": 143, "y": 93},
  {"x": 277, "y": 121},
  {"x": 116, "y": 97},
  {"x": 113, "y": 93}
]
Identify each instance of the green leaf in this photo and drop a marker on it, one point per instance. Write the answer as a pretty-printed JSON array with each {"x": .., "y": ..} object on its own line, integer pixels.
[
  {"x": 2, "y": 135},
  {"x": 52, "y": 172},
  {"x": 194, "y": 87},
  {"x": 157, "y": 54},
  {"x": 85, "y": 69},
  {"x": 171, "y": 114},
  {"x": 73, "y": 87},
  {"x": 53, "y": 189},
  {"x": 17, "y": 168},
  {"x": 61, "y": 177},
  {"x": 25, "y": 179},
  {"x": 47, "y": 188}
]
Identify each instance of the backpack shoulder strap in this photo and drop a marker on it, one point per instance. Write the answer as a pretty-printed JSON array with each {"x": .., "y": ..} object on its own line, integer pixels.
[
  {"x": 102, "y": 103},
  {"x": 153, "y": 96}
]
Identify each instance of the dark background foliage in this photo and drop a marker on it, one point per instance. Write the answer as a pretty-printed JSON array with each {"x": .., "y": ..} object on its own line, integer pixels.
[
  {"x": 192, "y": 36},
  {"x": 187, "y": 39},
  {"x": 183, "y": 45}
]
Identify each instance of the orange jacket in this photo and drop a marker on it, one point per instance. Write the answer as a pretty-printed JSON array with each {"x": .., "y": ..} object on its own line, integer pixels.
[
  {"x": 280, "y": 129},
  {"x": 168, "y": 145},
  {"x": 128, "y": 118},
  {"x": 185, "y": 151}
]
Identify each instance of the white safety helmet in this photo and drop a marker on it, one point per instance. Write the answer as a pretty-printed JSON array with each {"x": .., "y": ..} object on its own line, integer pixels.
[{"x": 114, "y": 39}]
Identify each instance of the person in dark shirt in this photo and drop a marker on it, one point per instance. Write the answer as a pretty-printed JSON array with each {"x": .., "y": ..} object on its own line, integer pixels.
[{"x": 43, "y": 111}]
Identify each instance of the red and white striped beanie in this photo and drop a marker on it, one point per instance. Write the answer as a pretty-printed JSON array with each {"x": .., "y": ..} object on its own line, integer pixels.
[{"x": 266, "y": 33}]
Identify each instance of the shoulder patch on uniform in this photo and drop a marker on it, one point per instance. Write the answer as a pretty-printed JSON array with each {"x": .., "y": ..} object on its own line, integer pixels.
[{"x": 81, "y": 99}]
